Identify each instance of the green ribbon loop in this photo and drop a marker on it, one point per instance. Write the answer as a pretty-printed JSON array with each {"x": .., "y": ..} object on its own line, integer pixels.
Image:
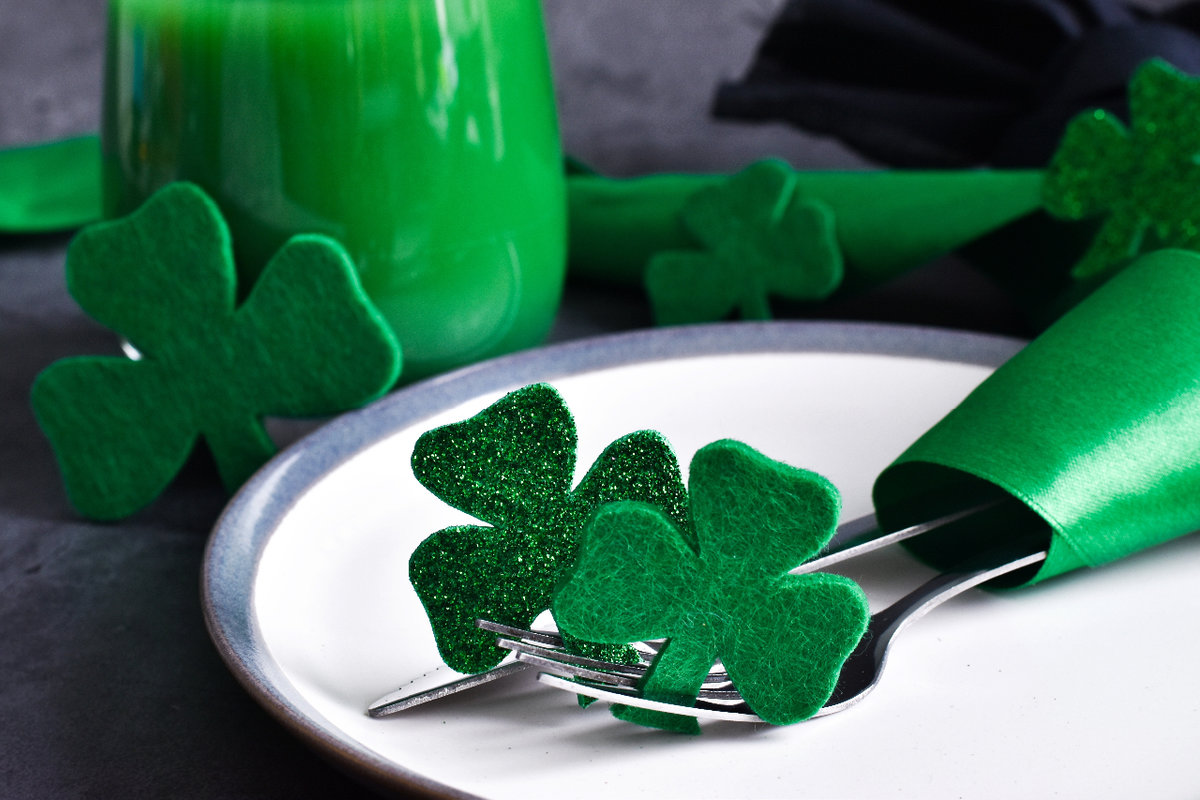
[
  {"x": 1094, "y": 427},
  {"x": 50, "y": 187}
]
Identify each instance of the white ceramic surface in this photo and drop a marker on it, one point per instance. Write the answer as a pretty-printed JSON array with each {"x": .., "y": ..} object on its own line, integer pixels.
[{"x": 1081, "y": 687}]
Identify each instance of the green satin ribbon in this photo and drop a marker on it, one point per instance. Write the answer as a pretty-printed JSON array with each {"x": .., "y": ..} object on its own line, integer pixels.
[
  {"x": 1094, "y": 427},
  {"x": 50, "y": 187},
  {"x": 887, "y": 222}
]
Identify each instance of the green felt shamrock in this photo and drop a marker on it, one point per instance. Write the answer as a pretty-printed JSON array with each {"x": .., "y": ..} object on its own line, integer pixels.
[
  {"x": 782, "y": 638},
  {"x": 512, "y": 466},
  {"x": 306, "y": 342},
  {"x": 1144, "y": 178},
  {"x": 760, "y": 239}
]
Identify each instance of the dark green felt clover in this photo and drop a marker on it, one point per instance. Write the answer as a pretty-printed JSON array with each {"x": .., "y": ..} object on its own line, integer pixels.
[
  {"x": 306, "y": 342},
  {"x": 782, "y": 638},
  {"x": 1143, "y": 178},
  {"x": 512, "y": 466},
  {"x": 759, "y": 239}
]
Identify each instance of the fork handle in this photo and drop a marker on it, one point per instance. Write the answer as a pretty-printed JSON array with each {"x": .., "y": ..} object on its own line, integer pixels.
[
  {"x": 1094, "y": 428},
  {"x": 434, "y": 689}
]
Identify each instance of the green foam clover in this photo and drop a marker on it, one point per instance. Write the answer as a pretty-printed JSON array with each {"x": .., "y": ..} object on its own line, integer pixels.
[
  {"x": 1143, "y": 178},
  {"x": 759, "y": 239},
  {"x": 782, "y": 638},
  {"x": 512, "y": 466},
  {"x": 305, "y": 342}
]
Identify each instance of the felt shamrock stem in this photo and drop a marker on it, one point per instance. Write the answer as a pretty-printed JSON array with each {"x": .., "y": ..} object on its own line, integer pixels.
[
  {"x": 886, "y": 223},
  {"x": 675, "y": 676},
  {"x": 306, "y": 342},
  {"x": 722, "y": 590},
  {"x": 238, "y": 447}
]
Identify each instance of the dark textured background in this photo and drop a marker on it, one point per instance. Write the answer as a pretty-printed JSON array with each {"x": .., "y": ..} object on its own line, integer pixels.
[{"x": 109, "y": 686}]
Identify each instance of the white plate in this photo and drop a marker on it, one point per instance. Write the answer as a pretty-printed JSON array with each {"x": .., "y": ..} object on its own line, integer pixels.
[{"x": 1082, "y": 687}]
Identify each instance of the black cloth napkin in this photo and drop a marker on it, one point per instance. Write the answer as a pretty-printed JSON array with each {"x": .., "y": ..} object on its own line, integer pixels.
[{"x": 945, "y": 83}]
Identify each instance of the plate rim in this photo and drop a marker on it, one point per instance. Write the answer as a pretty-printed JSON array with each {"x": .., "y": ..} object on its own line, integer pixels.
[{"x": 245, "y": 526}]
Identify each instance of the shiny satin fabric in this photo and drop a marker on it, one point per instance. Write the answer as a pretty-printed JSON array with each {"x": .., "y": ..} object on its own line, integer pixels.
[{"x": 1094, "y": 428}]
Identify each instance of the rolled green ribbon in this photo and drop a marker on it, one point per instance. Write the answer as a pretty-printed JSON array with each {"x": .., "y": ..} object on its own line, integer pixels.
[
  {"x": 886, "y": 222},
  {"x": 51, "y": 186},
  {"x": 1094, "y": 427}
]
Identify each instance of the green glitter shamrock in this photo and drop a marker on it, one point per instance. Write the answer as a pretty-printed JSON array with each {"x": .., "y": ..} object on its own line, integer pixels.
[
  {"x": 759, "y": 239},
  {"x": 1144, "y": 178},
  {"x": 512, "y": 466},
  {"x": 782, "y": 638},
  {"x": 306, "y": 342}
]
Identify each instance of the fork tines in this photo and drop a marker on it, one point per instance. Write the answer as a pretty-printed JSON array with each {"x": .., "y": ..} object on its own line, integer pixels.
[{"x": 549, "y": 654}]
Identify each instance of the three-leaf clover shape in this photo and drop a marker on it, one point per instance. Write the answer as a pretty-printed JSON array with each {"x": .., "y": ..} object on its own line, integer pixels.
[
  {"x": 759, "y": 237},
  {"x": 512, "y": 466},
  {"x": 305, "y": 342},
  {"x": 1144, "y": 178},
  {"x": 782, "y": 638}
]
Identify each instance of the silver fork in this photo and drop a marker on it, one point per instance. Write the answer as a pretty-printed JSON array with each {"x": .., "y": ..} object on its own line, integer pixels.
[
  {"x": 543, "y": 649},
  {"x": 618, "y": 683}
]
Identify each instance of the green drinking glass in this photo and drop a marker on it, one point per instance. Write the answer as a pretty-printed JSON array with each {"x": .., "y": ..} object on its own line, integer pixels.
[{"x": 421, "y": 134}]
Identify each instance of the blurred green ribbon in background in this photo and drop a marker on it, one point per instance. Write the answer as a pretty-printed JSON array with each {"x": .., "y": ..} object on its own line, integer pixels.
[{"x": 50, "y": 187}]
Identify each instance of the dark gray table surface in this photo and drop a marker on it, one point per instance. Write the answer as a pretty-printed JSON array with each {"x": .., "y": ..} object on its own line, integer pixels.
[{"x": 109, "y": 685}]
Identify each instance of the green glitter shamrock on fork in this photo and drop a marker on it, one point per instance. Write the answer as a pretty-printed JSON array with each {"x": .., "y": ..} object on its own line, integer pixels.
[{"x": 626, "y": 559}]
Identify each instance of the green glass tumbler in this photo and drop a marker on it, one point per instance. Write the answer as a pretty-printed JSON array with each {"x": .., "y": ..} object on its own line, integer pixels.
[{"x": 421, "y": 134}]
